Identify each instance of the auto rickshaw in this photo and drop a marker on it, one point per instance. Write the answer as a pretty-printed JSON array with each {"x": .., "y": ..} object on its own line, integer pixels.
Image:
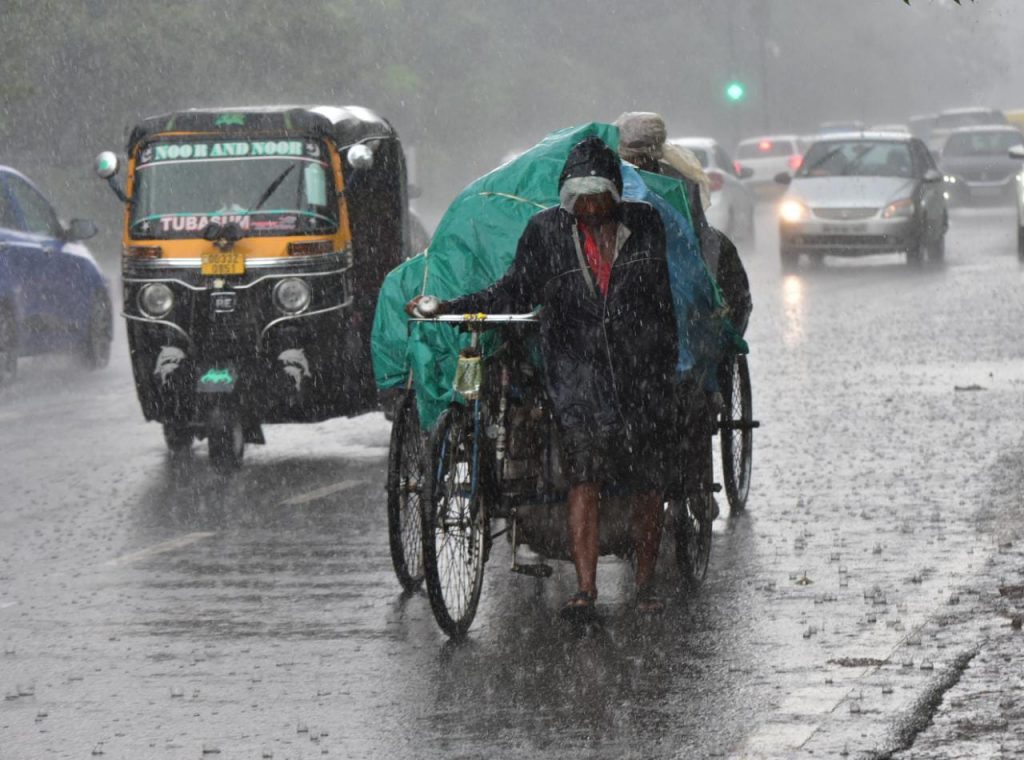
[{"x": 255, "y": 242}]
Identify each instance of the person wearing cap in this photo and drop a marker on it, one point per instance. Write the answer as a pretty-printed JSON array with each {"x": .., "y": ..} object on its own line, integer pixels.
[
  {"x": 596, "y": 265},
  {"x": 643, "y": 143}
]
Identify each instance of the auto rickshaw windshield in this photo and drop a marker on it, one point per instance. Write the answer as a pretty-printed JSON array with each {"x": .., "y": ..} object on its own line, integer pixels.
[{"x": 266, "y": 186}]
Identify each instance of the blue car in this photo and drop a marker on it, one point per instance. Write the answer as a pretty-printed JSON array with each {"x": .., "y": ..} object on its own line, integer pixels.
[{"x": 53, "y": 297}]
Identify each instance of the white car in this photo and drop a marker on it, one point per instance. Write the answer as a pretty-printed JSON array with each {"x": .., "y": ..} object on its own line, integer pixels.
[
  {"x": 1017, "y": 152},
  {"x": 732, "y": 206},
  {"x": 768, "y": 155}
]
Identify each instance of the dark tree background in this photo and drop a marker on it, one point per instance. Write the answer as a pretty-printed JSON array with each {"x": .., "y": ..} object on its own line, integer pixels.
[{"x": 466, "y": 81}]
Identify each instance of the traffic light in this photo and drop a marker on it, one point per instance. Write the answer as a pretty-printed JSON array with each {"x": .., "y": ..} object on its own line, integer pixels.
[{"x": 735, "y": 91}]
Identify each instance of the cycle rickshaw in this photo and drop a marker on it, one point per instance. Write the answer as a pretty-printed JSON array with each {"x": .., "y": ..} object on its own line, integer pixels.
[{"x": 475, "y": 460}]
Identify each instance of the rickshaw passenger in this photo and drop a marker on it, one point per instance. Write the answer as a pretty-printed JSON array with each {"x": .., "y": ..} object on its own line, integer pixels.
[
  {"x": 597, "y": 266},
  {"x": 643, "y": 143}
]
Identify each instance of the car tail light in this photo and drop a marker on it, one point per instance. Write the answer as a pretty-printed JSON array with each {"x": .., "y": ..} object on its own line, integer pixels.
[
  {"x": 737, "y": 167},
  {"x": 716, "y": 180},
  {"x": 795, "y": 162},
  {"x": 143, "y": 252},
  {"x": 311, "y": 248},
  {"x": 764, "y": 146}
]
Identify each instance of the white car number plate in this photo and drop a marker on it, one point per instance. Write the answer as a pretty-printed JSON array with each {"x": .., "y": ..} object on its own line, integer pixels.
[{"x": 844, "y": 229}]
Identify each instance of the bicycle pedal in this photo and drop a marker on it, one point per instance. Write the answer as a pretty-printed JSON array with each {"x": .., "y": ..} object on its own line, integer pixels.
[{"x": 536, "y": 571}]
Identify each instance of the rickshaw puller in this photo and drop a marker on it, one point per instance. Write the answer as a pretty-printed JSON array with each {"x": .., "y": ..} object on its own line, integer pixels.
[{"x": 596, "y": 265}]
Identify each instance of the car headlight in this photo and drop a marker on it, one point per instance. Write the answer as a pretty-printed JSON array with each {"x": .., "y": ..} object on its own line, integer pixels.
[
  {"x": 949, "y": 179},
  {"x": 156, "y": 300},
  {"x": 292, "y": 295},
  {"x": 899, "y": 209},
  {"x": 793, "y": 211}
]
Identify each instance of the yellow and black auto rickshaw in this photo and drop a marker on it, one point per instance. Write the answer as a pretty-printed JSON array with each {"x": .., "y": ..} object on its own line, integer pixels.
[{"x": 255, "y": 242}]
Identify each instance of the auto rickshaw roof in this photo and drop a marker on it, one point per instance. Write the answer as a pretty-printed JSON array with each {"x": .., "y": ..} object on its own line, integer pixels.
[{"x": 344, "y": 125}]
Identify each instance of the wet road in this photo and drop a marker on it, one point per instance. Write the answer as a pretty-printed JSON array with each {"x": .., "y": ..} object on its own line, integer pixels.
[{"x": 151, "y": 608}]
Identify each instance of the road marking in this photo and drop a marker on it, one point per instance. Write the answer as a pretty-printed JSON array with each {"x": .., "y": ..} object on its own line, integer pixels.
[
  {"x": 319, "y": 493},
  {"x": 5, "y": 605},
  {"x": 163, "y": 548}
]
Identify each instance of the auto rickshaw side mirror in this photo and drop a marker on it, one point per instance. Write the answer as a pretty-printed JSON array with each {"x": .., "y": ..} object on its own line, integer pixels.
[
  {"x": 80, "y": 229},
  {"x": 932, "y": 175},
  {"x": 107, "y": 164},
  {"x": 783, "y": 178},
  {"x": 360, "y": 157},
  {"x": 106, "y": 168},
  {"x": 1017, "y": 151}
]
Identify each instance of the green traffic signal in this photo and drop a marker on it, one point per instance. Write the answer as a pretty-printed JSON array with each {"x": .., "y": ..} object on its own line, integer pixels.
[{"x": 735, "y": 91}]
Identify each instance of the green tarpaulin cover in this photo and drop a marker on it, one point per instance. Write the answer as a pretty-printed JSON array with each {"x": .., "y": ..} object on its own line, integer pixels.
[{"x": 475, "y": 244}]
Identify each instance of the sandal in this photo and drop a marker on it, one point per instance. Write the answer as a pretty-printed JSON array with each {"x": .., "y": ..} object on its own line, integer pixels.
[
  {"x": 580, "y": 608},
  {"x": 648, "y": 603}
]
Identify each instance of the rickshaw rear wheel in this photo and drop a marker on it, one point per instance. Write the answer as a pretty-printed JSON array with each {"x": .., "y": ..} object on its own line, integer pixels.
[
  {"x": 737, "y": 444},
  {"x": 405, "y": 491},
  {"x": 691, "y": 521},
  {"x": 226, "y": 441},
  {"x": 455, "y": 522}
]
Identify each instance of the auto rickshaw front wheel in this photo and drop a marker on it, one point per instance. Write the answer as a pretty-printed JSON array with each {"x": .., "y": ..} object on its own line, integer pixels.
[
  {"x": 226, "y": 440},
  {"x": 178, "y": 437}
]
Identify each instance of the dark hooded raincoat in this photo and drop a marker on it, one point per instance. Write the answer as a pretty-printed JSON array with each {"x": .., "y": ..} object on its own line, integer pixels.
[{"x": 608, "y": 358}]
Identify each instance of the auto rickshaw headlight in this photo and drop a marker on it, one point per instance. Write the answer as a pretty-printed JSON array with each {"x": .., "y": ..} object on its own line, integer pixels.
[
  {"x": 360, "y": 156},
  {"x": 156, "y": 300},
  {"x": 292, "y": 295}
]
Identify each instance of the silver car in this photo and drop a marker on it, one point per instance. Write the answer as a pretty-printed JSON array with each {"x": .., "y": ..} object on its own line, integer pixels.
[
  {"x": 732, "y": 206},
  {"x": 954, "y": 118},
  {"x": 863, "y": 193},
  {"x": 976, "y": 164}
]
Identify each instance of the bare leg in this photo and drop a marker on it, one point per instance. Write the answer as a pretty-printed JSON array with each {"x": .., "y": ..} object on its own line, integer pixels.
[
  {"x": 583, "y": 534},
  {"x": 648, "y": 518}
]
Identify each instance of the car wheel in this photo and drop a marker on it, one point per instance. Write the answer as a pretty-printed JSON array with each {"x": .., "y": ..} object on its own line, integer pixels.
[
  {"x": 8, "y": 347},
  {"x": 789, "y": 259},
  {"x": 915, "y": 255},
  {"x": 937, "y": 249},
  {"x": 94, "y": 350}
]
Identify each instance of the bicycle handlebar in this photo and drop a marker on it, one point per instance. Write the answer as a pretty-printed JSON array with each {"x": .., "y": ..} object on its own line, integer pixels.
[{"x": 477, "y": 318}]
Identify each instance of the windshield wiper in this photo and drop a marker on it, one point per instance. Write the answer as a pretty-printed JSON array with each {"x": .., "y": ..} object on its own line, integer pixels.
[
  {"x": 856, "y": 162},
  {"x": 805, "y": 170},
  {"x": 270, "y": 189}
]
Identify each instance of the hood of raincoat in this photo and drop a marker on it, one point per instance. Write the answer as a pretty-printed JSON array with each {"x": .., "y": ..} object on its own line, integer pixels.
[{"x": 591, "y": 157}]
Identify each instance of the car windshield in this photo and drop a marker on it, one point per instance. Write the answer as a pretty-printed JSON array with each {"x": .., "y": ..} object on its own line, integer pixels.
[
  {"x": 968, "y": 119},
  {"x": 857, "y": 158},
  {"x": 267, "y": 186},
  {"x": 982, "y": 143},
  {"x": 765, "y": 148}
]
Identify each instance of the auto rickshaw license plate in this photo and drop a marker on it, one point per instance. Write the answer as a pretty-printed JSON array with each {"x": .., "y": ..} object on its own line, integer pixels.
[{"x": 223, "y": 262}]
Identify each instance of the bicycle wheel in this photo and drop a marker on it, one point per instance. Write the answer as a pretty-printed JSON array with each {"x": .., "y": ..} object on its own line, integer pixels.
[
  {"x": 737, "y": 434},
  {"x": 691, "y": 519},
  {"x": 455, "y": 523},
  {"x": 405, "y": 487}
]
